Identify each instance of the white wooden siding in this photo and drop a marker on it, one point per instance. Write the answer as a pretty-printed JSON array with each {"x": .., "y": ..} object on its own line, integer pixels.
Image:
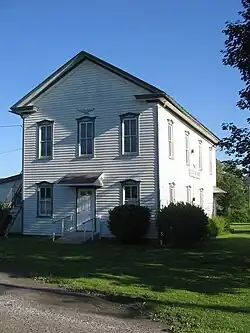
[
  {"x": 88, "y": 86},
  {"x": 175, "y": 170}
]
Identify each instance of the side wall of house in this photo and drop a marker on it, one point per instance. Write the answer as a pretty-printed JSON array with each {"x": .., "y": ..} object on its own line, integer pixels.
[
  {"x": 92, "y": 90},
  {"x": 175, "y": 170},
  {"x": 5, "y": 189}
]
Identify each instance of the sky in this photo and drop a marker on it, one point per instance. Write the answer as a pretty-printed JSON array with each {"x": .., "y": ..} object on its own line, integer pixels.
[{"x": 172, "y": 44}]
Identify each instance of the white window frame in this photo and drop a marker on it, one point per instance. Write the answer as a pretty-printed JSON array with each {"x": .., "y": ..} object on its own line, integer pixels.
[
  {"x": 170, "y": 139},
  {"x": 86, "y": 121},
  {"x": 130, "y": 185},
  {"x": 210, "y": 162},
  {"x": 189, "y": 194},
  {"x": 187, "y": 147},
  {"x": 201, "y": 197},
  {"x": 47, "y": 201},
  {"x": 45, "y": 125},
  {"x": 129, "y": 118},
  {"x": 172, "y": 192},
  {"x": 200, "y": 156}
]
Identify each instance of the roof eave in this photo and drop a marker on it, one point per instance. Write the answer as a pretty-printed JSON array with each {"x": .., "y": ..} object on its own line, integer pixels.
[
  {"x": 23, "y": 110},
  {"x": 167, "y": 102}
]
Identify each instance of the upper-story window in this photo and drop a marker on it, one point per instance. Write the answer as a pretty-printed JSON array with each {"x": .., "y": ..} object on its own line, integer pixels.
[
  {"x": 45, "y": 139},
  {"x": 131, "y": 192},
  {"x": 210, "y": 160},
  {"x": 189, "y": 197},
  {"x": 44, "y": 199},
  {"x": 187, "y": 147},
  {"x": 130, "y": 135},
  {"x": 170, "y": 139},
  {"x": 200, "y": 155},
  {"x": 172, "y": 192},
  {"x": 86, "y": 136}
]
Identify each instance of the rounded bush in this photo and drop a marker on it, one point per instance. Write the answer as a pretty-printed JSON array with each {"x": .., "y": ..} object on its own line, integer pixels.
[
  {"x": 183, "y": 224},
  {"x": 129, "y": 223}
]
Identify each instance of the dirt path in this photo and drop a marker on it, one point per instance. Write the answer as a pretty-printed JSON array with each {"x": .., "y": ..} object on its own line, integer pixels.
[{"x": 27, "y": 306}]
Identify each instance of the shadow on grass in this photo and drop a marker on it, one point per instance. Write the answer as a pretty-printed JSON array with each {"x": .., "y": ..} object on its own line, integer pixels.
[{"x": 221, "y": 266}]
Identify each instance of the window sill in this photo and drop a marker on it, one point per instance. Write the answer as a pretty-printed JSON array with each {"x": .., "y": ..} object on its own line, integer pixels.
[
  {"x": 44, "y": 217},
  {"x": 84, "y": 157},
  {"x": 44, "y": 158},
  {"x": 129, "y": 154}
]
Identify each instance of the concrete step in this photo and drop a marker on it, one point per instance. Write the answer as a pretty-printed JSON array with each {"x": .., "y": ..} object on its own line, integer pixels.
[{"x": 76, "y": 237}]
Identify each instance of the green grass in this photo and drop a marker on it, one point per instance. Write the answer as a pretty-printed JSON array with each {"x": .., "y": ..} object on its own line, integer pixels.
[
  {"x": 205, "y": 290},
  {"x": 240, "y": 227}
]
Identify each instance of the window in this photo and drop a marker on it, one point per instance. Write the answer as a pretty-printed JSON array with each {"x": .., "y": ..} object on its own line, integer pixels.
[
  {"x": 200, "y": 155},
  {"x": 187, "y": 147},
  {"x": 45, "y": 138},
  {"x": 170, "y": 139},
  {"x": 201, "y": 197},
  {"x": 44, "y": 195},
  {"x": 131, "y": 192},
  {"x": 129, "y": 122},
  {"x": 210, "y": 166},
  {"x": 189, "y": 198},
  {"x": 172, "y": 192},
  {"x": 86, "y": 136}
]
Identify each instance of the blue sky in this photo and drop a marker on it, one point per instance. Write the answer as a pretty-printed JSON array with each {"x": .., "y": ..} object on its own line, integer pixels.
[{"x": 172, "y": 44}]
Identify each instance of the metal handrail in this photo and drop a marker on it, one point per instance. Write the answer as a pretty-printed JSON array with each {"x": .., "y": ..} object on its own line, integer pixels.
[{"x": 93, "y": 220}]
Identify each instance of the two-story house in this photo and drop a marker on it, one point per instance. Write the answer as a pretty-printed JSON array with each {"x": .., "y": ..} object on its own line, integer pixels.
[{"x": 94, "y": 137}]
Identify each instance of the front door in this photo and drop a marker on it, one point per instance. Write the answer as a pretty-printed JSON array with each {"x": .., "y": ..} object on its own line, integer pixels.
[{"x": 85, "y": 209}]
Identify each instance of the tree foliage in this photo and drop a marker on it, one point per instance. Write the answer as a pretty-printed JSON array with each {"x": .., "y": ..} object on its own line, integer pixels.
[
  {"x": 237, "y": 50},
  {"x": 236, "y": 197},
  {"x": 237, "y": 55}
]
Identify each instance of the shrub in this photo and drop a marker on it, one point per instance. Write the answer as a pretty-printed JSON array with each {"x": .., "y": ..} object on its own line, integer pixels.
[
  {"x": 239, "y": 215},
  {"x": 3, "y": 205},
  {"x": 129, "y": 223},
  {"x": 5, "y": 220},
  {"x": 213, "y": 229},
  {"x": 216, "y": 225},
  {"x": 183, "y": 224}
]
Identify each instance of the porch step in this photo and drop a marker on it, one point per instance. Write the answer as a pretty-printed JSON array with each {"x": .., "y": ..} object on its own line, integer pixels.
[{"x": 76, "y": 237}]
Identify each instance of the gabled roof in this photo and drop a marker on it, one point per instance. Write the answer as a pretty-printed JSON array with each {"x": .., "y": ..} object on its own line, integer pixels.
[
  {"x": 154, "y": 94},
  {"x": 11, "y": 178},
  {"x": 69, "y": 66}
]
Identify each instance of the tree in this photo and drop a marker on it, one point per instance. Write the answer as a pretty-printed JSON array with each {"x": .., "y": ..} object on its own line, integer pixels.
[
  {"x": 237, "y": 55},
  {"x": 236, "y": 196},
  {"x": 237, "y": 50}
]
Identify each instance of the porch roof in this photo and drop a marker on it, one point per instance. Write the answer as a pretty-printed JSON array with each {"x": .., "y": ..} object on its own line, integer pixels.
[
  {"x": 218, "y": 190},
  {"x": 82, "y": 180}
]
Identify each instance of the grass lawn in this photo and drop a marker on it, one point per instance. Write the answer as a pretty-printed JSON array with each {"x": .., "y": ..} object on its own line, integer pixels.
[{"x": 205, "y": 290}]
